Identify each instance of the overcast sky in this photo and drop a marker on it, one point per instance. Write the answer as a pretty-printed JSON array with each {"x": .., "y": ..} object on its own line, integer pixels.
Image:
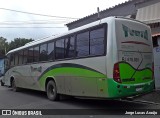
[{"x": 62, "y": 8}]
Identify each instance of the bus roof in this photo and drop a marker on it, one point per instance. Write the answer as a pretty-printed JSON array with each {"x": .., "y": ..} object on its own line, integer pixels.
[{"x": 49, "y": 38}]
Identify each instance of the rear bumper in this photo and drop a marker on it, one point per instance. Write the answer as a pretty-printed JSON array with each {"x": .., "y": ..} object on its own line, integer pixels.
[{"x": 117, "y": 90}]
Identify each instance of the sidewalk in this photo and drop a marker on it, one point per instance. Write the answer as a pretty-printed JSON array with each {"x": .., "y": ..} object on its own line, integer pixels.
[{"x": 153, "y": 96}]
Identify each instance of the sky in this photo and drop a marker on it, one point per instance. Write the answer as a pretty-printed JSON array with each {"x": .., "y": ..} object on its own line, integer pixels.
[{"x": 22, "y": 25}]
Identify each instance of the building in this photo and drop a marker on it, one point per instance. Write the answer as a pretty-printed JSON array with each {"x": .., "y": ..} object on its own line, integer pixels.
[
  {"x": 127, "y": 9},
  {"x": 146, "y": 11}
]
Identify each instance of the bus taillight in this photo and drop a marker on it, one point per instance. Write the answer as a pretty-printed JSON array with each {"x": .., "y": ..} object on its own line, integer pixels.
[{"x": 116, "y": 73}]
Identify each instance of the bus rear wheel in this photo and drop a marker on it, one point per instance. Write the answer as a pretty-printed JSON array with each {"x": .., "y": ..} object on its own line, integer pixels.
[
  {"x": 14, "y": 87},
  {"x": 52, "y": 91}
]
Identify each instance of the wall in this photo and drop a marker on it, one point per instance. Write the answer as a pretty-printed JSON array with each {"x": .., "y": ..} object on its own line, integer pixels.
[{"x": 156, "y": 52}]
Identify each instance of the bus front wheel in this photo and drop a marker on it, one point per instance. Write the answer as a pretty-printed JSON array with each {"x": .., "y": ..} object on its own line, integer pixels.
[{"x": 52, "y": 91}]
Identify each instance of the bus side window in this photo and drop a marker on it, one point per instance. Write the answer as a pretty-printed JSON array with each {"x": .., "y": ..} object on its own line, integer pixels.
[
  {"x": 25, "y": 55},
  {"x": 30, "y": 55},
  {"x": 16, "y": 59},
  {"x": 60, "y": 49},
  {"x": 36, "y": 54},
  {"x": 82, "y": 44},
  {"x": 43, "y": 52},
  {"x": 20, "y": 53},
  {"x": 11, "y": 60},
  {"x": 70, "y": 47},
  {"x": 97, "y": 42},
  {"x": 50, "y": 51}
]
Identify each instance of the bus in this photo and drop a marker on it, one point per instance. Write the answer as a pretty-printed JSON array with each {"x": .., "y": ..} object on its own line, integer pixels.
[{"x": 110, "y": 58}]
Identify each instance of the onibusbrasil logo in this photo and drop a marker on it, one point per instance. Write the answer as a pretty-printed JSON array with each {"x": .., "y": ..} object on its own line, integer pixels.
[{"x": 21, "y": 112}]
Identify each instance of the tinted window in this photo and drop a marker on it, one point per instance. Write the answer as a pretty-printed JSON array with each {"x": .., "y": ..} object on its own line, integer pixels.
[
  {"x": 7, "y": 63},
  {"x": 43, "y": 52},
  {"x": 12, "y": 60},
  {"x": 50, "y": 51},
  {"x": 97, "y": 42},
  {"x": 30, "y": 55},
  {"x": 69, "y": 47},
  {"x": 20, "y": 57},
  {"x": 60, "y": 49},
  {"x": 82, "y": 44},
  {"x": 36, "y": 54},
  {"x": 16, "y": 58},
  {"x": 25, "y": 56}
]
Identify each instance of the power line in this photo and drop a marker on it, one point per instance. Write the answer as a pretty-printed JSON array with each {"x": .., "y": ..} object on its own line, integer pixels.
[
  {"x": 40, "y": 20},
  {"x": 36, "y": 13},
  {"x": 32, "y": 27},
  {"x": 33, "y": 22},
  {"x": 29, "y": 23},
  {"x": 49, "y": 20}
]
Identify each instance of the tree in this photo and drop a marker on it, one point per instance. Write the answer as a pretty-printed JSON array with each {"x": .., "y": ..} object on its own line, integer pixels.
[
  {"x": 3, "y": 46},
  {"x": 18, "y": 42}
]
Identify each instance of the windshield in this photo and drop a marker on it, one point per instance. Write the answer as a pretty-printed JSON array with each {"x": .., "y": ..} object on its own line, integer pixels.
[{"x": 134, "y": 43}]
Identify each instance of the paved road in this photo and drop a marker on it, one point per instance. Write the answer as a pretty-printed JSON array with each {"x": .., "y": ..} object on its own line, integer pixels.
[{"x": 27, "y": 99}]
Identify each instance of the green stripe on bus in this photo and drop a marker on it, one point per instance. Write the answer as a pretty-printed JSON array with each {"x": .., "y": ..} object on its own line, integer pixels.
[
  {"x": 62, "y": 65},
  {"x": 130, "y": 75},
  {"x": 70, "y": 72}
]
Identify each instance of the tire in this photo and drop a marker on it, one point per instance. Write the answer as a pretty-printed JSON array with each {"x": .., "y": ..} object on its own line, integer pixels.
[
  {"x": 2, "y": 84},
  {"x": 52, "y": 91},
  {"x": 13, "y": 85}
]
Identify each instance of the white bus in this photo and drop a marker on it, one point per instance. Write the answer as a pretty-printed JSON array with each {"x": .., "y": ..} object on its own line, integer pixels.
[{"x": 109, "y": 58}]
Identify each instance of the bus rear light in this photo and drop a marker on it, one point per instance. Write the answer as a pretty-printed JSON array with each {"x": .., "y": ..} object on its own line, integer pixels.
[{"x": 116, "y": 73}]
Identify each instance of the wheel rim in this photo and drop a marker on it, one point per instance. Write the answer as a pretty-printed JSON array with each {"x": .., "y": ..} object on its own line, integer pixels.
[
  {"x": 51, "y": 90},
  {"x": 13, "y": 85}
]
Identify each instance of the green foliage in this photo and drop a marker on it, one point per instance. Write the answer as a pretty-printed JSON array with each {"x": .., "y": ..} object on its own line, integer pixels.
[
  {"x": 3, "y": 46},
  {"x": 7, "y": 46},
  {"x": 18, "y": 42}
]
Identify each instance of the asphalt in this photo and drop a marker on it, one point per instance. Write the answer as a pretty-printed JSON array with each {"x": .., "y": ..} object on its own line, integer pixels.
[
  {"x": 151, "y": 97},
  {"x": 27, "y": 99}
]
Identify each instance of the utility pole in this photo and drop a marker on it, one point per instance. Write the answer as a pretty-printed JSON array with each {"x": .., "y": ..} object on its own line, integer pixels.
[{"x": 98, "y": 13}]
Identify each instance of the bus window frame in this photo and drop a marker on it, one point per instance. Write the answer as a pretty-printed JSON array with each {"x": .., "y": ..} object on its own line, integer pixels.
[{"x": 103, "y": 25}]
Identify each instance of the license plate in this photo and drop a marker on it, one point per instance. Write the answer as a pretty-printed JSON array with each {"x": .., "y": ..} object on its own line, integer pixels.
[{"x": 138, "y": 89}]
